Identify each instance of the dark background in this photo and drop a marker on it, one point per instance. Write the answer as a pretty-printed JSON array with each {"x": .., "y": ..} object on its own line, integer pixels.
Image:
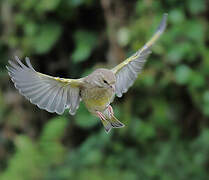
[{"x": 166, "y": 111}]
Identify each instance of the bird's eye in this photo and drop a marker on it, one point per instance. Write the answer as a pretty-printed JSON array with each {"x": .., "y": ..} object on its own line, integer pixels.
[{"x": 105, "y": 81}]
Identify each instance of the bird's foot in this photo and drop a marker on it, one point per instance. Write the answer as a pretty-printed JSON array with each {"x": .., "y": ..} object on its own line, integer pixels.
[
  {"x": 112, "y": 119},
  {"x": 107, "y": 125},
  {"x": 101, "y": 116},
  {"x": 110, "y": 110}
]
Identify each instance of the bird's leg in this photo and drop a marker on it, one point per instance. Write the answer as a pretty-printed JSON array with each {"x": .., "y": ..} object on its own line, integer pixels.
[
  {"x": 105, "y": 123},
  {"x": 112, "y": 119},
  {"x": 110, "y": 110},
  {"x": 101, "y": 116}
]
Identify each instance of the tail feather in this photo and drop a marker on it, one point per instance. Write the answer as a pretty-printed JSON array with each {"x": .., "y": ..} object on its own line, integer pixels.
[
  {"x": 115, "y": 123},
  {"x": 107, "y": 125},
  {"x": 110, "y": 121}
]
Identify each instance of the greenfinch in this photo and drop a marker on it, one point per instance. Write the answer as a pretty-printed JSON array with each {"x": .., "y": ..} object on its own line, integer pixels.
[{"x": 97, "y": 90}]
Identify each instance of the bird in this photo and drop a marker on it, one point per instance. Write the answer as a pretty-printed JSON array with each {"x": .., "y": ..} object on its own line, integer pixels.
[{"x": 97, "y": 90}]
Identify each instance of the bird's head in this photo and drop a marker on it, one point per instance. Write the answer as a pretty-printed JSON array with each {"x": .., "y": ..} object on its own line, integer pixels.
[{"x": 102, "y": 78}]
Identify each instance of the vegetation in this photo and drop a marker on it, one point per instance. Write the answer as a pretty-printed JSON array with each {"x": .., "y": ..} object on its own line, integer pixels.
[{"x": 166, "y": 112}]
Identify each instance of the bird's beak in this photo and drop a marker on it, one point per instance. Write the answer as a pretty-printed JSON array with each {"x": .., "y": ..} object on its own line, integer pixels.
[{"x": 113, "y": 87}]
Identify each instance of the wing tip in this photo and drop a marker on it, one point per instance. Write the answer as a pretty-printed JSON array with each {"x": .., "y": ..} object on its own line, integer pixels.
[
  {"x": 27, "y": 60},
  {"x": 72, "y": 112},
  {"x": 163, "y": 23},
  {"x": 7, "y": 67},
  {"x": 16, "y": 58}
]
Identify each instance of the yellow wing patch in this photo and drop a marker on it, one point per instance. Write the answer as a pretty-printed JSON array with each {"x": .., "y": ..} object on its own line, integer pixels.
[{"x": 64, "y": 81}]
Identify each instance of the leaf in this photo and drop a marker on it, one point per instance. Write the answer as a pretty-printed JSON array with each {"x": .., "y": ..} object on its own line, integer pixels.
[
  {"x": 195, "y": 31},
  {"x": 123, "y": 36},
  {"x": 147, "y": 80},
  {"x": 30, "y": 28},
  {"x": 84, "y": 119},
  {"x": 206, "y": 97},
  {"x": 197, "y": 80},
  {"x": 183, "y": 74},
  {"x": 75, "y": 3},
  {"x": 27, "y": 5},
  {"x": 25, "y": 163},
  {"x": 54, "y": 129},
  {"x": 176, "y": 16},
  {"x": 206, "y": 103},
  {"x": 85, "y": 42},
  {"x": 145, "y": 131},
  {"x": 176, "y": 53},
  {"x": 47, "y": 5},
  {"x": 2, "y": 107},
  {"x": 50, "y": 140},
  {"x": 196, "y": 7},
  {"x": 46, "y": 38}
]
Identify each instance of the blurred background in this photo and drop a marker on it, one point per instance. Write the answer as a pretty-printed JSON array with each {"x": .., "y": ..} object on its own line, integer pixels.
[{"x": 166, "y": 111}]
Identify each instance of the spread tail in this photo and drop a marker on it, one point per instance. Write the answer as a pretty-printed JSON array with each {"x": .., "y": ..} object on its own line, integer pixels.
[
  {"x": 115, "y": 123},
  {"x": 107, "y": 125},
  {"x": 109, "y": 121}
]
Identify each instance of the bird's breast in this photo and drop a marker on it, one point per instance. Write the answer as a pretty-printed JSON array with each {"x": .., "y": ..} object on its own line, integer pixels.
[{"x": 97, "y": 99}]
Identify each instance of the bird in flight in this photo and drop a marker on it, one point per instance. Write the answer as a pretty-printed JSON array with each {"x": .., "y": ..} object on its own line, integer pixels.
[{"x": 97, "y": 90}]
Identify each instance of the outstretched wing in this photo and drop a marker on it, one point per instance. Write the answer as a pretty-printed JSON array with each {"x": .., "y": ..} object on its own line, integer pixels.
[
  {"x": 50, "y": 93},
  {"x": 127, "y": 71}
]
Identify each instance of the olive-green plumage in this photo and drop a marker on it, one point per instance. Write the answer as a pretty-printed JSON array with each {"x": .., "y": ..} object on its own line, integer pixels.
[
  {"x": 96, "y": 98},
  {"x": 97, "y": 90}
]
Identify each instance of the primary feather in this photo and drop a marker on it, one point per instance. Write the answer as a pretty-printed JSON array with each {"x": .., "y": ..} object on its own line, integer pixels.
[
  {"x": 127, "y": 71},
  {"x": 47, "y": 92}
]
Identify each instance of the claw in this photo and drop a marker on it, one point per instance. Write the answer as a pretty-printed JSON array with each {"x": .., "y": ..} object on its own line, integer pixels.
[
  {"x": 100, "y": 115},
  {"x": 107, "y": 125},
  {"x": 110, "y": 110}
]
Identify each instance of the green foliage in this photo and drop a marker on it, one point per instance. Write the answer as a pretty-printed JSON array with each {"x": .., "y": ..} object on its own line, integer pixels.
[
  {"x": 26, "y": 161},
  {"x": 183, "y": 74},
  {"x": 206, "y": 103},
  {"x": 47, "y": 5},
  {"x": 165, "y": 112},
  {"x": 2, "y": 108},
  {"x": 85, "y": 119},
  {"x": 47, "y": 36},
  {"x": 31, "y": 160},
  {"x": 85, "y": 42},
  {"x": 196, "y": 7}
]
